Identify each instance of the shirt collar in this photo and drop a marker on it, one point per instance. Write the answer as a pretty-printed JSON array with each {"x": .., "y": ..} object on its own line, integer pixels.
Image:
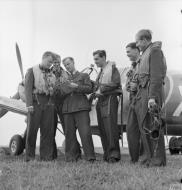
[{"x": 146, "y": 47}]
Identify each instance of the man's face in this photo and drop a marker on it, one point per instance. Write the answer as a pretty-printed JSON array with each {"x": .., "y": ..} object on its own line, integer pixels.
[
  {"x": 47, "y": 62},
  {"x": 57, "y": 65},
  {"x": 69, "y": 65},
  {"x": 141, "y": 43},
  {"x": 99, "y": 61},
  {"x": 132, "y": 53}
]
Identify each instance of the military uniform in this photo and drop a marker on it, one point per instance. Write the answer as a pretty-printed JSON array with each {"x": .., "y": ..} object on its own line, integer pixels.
[
  {"x": 58, "y": 97},
  {"x": 131, "y": 79},
  {"x": 108, "y": 83},
  {"x": 38, "y": 89},
  {"x": 150, "y": 73},
  {"x": 75, "y": 110},
  {"x": 131, "y": 87}
]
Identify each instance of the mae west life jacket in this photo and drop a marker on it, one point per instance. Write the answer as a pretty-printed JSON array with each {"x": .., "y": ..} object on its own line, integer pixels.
[
  {"x": 143, "y": 67},
  {"x": 106, "y": 75},
  {"x": 43, "y": 81}
]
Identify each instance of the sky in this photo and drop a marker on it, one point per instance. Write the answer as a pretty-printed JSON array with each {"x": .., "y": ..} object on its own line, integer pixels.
[{"x": 76, "y": 28}]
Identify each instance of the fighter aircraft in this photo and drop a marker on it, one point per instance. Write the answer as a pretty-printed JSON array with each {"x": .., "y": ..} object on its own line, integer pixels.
[{"x": 172, "y": 108}]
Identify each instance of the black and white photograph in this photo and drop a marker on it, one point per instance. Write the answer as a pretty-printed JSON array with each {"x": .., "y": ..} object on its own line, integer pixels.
[{"x": 91, "y": 95}]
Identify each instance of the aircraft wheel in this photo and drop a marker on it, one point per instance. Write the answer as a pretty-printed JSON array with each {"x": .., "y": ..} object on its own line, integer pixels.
[
  {"x": 173, "y": 145},
  {"x": 16, "y": 145},
  {"x": 180, "y": 143}
]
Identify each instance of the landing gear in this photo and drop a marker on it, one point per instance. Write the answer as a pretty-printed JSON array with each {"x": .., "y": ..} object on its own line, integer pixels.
[
  {"x": 16, "y": 145},
  {"x": 175, "y": 145}
]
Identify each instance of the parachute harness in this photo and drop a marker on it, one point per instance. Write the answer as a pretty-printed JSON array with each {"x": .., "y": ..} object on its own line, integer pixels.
[{"x": 157, "y": 125}]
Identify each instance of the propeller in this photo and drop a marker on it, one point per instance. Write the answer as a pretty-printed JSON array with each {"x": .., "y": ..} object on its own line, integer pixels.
[{"x": 18, "y": 55}]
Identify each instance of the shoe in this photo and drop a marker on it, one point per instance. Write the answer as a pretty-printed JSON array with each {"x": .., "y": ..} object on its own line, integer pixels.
[
  {"x": 145, "y": 163},
  {"x": 143, "y": 160},
  {"x": 105, "y": 158},
  {"x": 92, "y": 160},
  {"x": 156, "y": 163},
  {"x": 112, "y": 160},
  {"x": 29, "y": 159},
  {"x": 133, "y": 162}
]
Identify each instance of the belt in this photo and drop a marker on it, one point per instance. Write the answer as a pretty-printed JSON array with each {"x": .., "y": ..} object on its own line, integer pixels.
[{"x": 42, "y": 99}]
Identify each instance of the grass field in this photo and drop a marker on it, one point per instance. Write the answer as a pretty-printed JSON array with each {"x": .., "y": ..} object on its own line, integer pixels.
[{"x": 15, "y": 174}]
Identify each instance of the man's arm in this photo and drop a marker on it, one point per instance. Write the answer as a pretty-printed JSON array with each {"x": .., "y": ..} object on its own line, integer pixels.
[
  {"x": 29, "y": 84},
  {"x": 86, "y": 86},
  {"x": 156, "y": 73}
]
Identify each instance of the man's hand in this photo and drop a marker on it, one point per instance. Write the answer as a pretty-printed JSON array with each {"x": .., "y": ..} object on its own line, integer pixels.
[
  {"x": 133, "y": 86},
  {"x": 98, "y": 93},
  {"x": 30, "y": 109},
  {"x": 151, "y": 103},
  {"x": 73, "y": 85}
]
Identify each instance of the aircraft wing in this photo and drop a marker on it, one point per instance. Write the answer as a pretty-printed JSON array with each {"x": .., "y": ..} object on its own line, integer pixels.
[{"x": 13, "y": 105}]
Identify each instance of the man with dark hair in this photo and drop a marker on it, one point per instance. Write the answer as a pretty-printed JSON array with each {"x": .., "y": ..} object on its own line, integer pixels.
[
  {"x": 39, "y": 82},
  {"x": 75, "y": 110},
  {"x": 133, "y": 54},
  {"x": 68, "y": 58},
  {"x": 107, "y": 88},
  {"x": 132, "y": 45},
  {"x": 101, "y": 53},
  {"x": 61, "y": 77},
  {"x": 150, "y": 72}
]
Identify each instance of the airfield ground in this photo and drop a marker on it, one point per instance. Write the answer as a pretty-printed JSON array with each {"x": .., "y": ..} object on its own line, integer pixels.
[{"x": 15, "y": 174}]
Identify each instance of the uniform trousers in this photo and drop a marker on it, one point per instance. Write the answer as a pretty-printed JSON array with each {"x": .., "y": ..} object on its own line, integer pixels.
[
  {"x": 78, "y": 120},
  {"x": 58, "y": 113},
  {"x": 138, "y": 126},
  {"x": 43, "y": 117},
  {"x": 107, "y": 112}
]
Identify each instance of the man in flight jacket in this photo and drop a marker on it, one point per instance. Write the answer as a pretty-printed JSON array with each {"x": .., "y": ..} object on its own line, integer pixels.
[{"x": 75, "y": 110}]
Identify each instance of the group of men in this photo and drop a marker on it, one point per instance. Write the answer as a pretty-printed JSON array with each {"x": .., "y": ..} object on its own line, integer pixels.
[{"x": 51, "y": 91}]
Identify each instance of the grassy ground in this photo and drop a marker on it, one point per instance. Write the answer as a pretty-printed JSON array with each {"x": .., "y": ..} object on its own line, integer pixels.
[{"x": 15, "y": 174}]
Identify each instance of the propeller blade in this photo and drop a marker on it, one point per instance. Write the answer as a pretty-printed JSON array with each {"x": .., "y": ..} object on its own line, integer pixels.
[{"x": 18, "y": 55}]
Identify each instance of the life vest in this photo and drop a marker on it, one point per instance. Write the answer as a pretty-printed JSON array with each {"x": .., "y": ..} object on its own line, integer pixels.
[
  {"x": 143, "y": 67},
  {"x": 43, "y": 81},
  {"x": 106, "y": 74},
  {"x": 131, "y": 75}
]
